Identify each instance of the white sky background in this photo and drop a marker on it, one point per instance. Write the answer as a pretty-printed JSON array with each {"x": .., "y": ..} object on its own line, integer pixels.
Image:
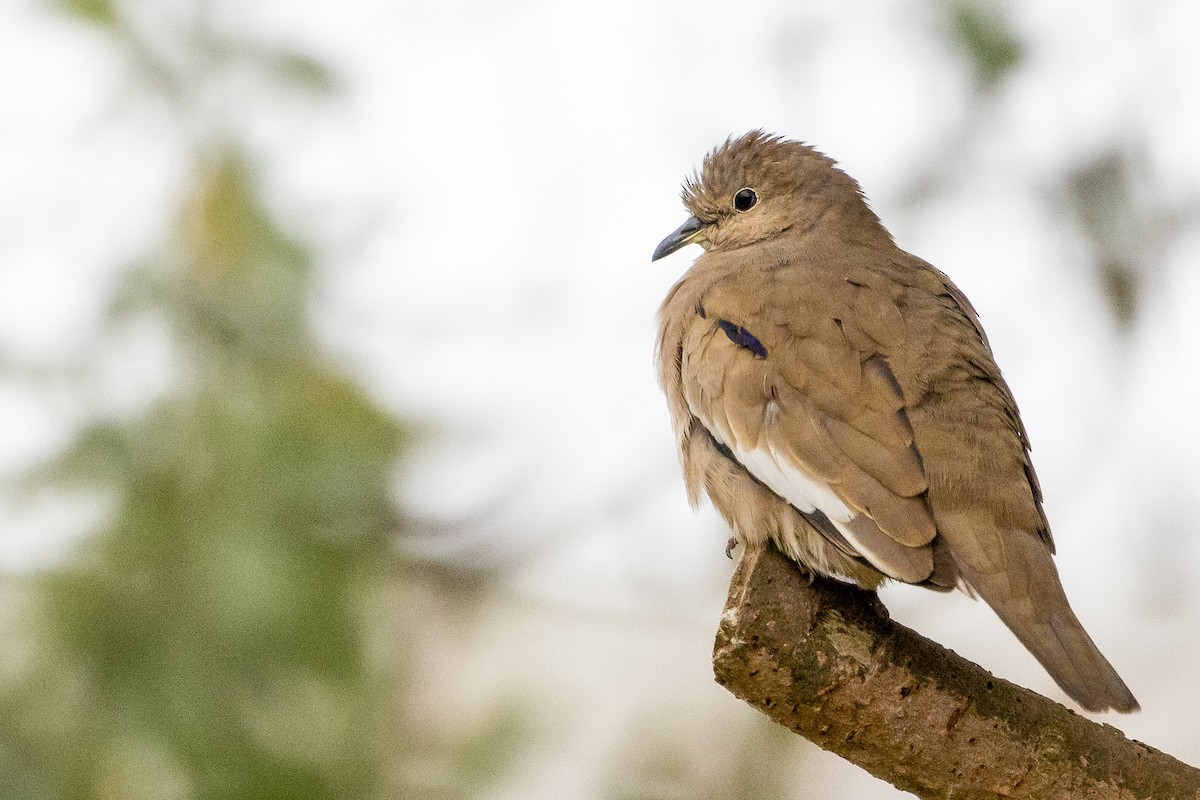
[{"x": 486, "y": 190}]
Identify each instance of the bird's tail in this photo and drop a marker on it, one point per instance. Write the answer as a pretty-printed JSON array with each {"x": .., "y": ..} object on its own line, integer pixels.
[{"x": 1028, "y": 596}]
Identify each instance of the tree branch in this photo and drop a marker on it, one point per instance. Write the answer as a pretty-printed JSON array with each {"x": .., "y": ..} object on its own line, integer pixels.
[{"x": 824, "y": 659}]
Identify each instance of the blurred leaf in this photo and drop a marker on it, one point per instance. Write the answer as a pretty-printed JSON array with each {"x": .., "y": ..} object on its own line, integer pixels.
[
  {"x": 283, "y": 67},
  {"x": 986, "y": 36},
  {"x": 1100, "y": 194},
  {"x": 1101, "y": 189},
  {"x": 301, "y": 71},
  {"x": 1124, "y": 225},
  {"x": 1120, "y": 282},
  {"x": 101, "y": 12}
]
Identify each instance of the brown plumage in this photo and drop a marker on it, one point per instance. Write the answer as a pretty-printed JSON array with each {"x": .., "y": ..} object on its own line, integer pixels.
[{"x": 837, "y": 396}]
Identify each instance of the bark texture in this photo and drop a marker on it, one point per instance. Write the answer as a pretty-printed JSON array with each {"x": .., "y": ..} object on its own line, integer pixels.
[{"x": 824, "y": 659}]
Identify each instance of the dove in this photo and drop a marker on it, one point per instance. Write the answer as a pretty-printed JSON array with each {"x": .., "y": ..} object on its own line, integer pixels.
[{"x": 837, "y": 397}]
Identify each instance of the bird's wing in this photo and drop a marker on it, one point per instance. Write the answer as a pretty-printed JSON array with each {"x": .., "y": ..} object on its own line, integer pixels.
[{"x": 802, "y": 397}]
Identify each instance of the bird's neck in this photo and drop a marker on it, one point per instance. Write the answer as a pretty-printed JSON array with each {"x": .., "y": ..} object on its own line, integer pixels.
[{"x": 842, "y": 216}]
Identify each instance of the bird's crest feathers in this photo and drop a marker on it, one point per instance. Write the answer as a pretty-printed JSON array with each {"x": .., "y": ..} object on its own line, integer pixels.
[{"x": 766, "y": 162}]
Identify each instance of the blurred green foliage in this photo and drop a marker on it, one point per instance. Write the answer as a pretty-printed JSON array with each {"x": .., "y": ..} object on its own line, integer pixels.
[
  {"x": 100, "y": 12},
  {"x": 212, "y": 618},
  {"x": 1128, "y": 222},
  {"x": 1100, "y": 193},
  {"x": 219, "y": 635},
  {"x": 984, "y": 34}
]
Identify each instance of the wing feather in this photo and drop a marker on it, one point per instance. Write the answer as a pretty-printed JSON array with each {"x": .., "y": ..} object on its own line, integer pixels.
[{"x": 819, "y": 421}]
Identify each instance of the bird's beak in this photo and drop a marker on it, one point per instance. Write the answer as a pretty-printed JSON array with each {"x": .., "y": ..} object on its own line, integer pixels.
[{"x": 685, "y": 234}]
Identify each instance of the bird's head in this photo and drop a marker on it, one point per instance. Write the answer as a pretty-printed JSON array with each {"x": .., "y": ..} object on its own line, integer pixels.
[{"x": 759, "y": 186}]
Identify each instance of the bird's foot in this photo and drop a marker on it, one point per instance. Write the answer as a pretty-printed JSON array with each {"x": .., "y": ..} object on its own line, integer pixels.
[{"x": 729, "y": 546}]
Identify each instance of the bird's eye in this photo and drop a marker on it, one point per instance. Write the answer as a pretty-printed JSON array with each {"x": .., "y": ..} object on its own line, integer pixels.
[{"x": 745, "y": 199}]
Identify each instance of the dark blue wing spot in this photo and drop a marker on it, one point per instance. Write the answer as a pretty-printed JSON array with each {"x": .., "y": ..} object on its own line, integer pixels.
[{"x": 742, "y": 338}]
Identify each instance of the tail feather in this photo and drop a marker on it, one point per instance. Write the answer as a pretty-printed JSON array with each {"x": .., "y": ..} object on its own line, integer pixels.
[{"x": 1028, "y": 597}]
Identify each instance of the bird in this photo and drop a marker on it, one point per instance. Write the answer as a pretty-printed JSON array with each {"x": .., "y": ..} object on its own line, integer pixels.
[{"x": 837, "y": 397}]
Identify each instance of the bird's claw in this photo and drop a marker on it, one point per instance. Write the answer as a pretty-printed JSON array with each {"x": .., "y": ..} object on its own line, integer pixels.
[{"x": 729, "y": 546}]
